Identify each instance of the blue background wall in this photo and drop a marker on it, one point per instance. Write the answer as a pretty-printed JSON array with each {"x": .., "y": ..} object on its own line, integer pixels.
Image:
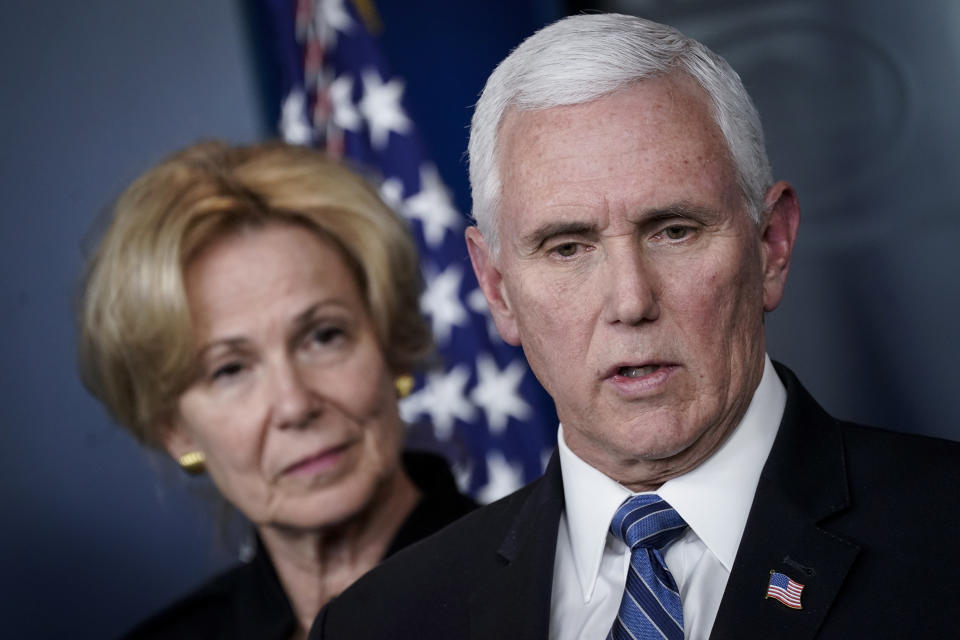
[
  {"x": 859, "y": 106},
  {"x": 94, "y": 92}
]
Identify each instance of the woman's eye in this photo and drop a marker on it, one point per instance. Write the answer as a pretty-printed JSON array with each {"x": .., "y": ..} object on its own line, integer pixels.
[
  {"x": 227, "y": 370},
  {"x": 326, "y": 335}
]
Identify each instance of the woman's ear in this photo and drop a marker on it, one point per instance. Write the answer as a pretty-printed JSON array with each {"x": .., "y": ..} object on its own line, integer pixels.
[{"x": 175, "y": 439}]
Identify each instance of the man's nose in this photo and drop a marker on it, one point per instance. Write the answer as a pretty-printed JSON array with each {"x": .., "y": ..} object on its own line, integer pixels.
[
  {"x": 295, "y": 403},
  {"x": 631, "y": 285}
]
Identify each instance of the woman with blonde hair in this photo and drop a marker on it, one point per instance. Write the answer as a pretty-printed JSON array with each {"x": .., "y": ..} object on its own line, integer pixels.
[{"x": 249, "y": 311}]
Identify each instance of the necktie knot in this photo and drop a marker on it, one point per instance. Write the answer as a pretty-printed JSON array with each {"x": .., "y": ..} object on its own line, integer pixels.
[
  {"x": 647, "y": 521},
  {"x": 651, "y": 606}
]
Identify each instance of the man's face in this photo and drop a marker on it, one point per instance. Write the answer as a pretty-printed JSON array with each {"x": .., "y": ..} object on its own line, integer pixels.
[{"x": 632, "y": 275}]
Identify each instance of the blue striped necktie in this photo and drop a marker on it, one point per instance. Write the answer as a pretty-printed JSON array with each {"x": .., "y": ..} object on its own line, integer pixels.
[{"x": 650, "y": 608}]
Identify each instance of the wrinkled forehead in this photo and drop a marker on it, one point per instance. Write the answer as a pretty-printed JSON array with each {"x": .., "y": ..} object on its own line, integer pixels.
[
  {"x": 664, "y": 91},
  {"x": 653, "y": 140}
]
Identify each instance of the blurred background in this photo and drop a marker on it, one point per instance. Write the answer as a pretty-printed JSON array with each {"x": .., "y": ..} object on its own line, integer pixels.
[{"x": 858, "y": 102}]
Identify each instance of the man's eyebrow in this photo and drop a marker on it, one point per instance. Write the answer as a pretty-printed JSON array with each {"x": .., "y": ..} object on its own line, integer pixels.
[
  {"x": 544, "y": 232},
  {"x": 678, "y": 210}
]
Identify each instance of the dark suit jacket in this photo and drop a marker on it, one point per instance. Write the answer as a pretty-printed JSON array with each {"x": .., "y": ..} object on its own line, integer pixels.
[{"x": 866, "y": 519}]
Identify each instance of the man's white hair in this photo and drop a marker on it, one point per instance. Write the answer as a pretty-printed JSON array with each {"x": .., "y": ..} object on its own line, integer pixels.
[{"x": 582, "y": 58}]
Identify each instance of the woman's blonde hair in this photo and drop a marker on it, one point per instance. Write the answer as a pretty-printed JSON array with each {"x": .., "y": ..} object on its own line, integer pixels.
[{"x": 136, "y": 349}]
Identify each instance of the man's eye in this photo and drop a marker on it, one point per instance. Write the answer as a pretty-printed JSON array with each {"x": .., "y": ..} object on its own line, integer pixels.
[
  {"x": 676, "y": 232},
  {"x": 566, "y": 249}
]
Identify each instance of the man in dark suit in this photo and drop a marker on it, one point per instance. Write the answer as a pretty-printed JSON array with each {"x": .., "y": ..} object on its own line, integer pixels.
[{"x": 630, "y": 237}]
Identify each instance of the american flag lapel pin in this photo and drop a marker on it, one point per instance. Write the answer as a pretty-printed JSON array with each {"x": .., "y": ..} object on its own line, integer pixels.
[{"x": 785, "y": 590}]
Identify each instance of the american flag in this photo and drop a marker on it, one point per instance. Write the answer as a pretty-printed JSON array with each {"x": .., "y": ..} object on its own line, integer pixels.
[
  {"x": 482, "y": 407},
  {"x": 785, "y": 590}
]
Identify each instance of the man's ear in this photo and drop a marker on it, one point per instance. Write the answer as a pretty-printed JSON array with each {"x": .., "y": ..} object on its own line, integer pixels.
[
  {"x": 779, "y": 232},
  {"x": 491, "y": 282}
]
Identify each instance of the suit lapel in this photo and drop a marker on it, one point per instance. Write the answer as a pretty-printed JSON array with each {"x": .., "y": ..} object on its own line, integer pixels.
[
  {"x": 513, "y": 600},
  {"x": 803, "y": 482}
]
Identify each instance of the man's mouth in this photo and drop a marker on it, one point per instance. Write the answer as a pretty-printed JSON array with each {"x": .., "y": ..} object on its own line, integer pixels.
[{"x": 637, "y": 372}]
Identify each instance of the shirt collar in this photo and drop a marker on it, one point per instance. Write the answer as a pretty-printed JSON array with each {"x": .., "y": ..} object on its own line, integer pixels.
[{"x": 714, "y": 498}]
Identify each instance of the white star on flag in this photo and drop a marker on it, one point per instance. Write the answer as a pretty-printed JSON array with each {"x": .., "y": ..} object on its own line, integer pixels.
[
  {"x": 293, "y": 118},
  {"x": 443, "y": 398},
  {"x": 432, "y": 207},
  {"x": 441, "y": 301},
  {"x": 345, "y": 114},
  {"x": 331, "y": 18},
  {"x": 498, "y": 392},
  {"x": 462, "y": 472},
  {"x": 545, "y": 456},
  {"x": 381, "y": 108},
  {"x": 392, "y": 193},
  {"x": 503, "y": 478}
]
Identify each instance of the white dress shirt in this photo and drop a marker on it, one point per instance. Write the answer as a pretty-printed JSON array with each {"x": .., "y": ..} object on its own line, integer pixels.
[{"x": 714, "y": 499}]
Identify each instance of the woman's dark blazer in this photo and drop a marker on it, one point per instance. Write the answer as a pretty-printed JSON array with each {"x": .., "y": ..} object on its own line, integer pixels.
[{"x": 248, "y": 602}]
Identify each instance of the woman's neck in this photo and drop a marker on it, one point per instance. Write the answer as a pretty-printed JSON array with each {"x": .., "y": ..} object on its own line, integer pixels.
[{"x": 316, "y": 565}]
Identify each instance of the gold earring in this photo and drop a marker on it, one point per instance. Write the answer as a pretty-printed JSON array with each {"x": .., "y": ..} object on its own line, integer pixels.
[
  {"x": 193, "y": 462},
  {"x": 404, "y": 385}
]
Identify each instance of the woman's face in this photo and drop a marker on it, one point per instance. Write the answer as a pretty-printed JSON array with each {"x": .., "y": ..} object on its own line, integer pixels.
[{"x": 293, "y": 404}]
